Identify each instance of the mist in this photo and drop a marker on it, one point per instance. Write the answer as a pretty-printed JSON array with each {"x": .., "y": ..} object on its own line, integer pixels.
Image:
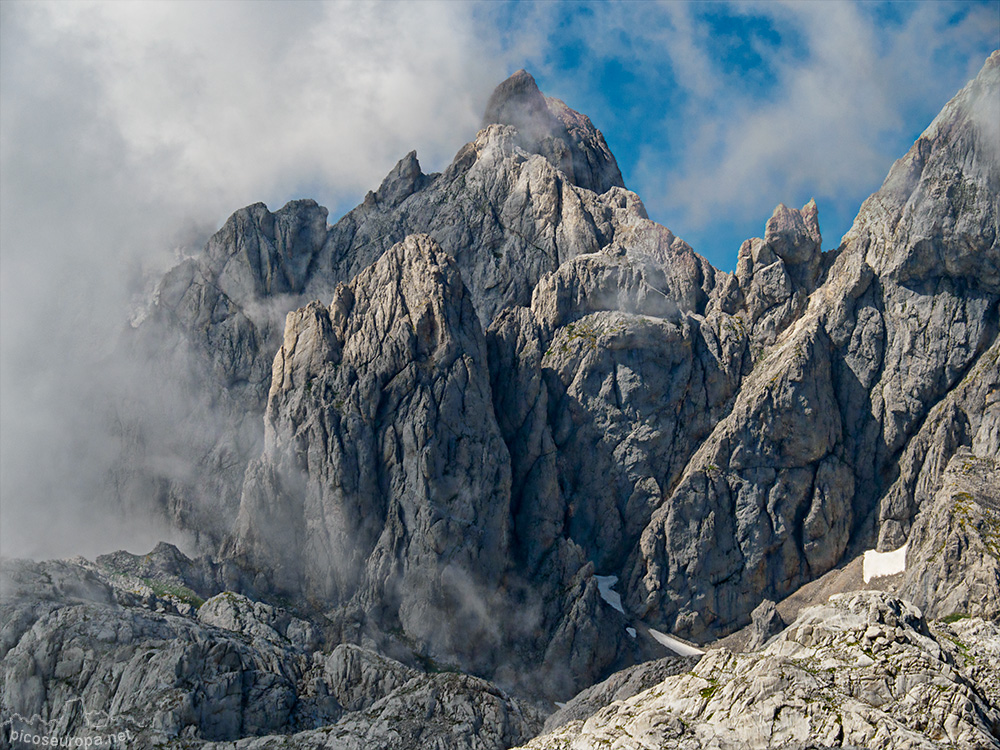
[{"x": 129, "y": 133}]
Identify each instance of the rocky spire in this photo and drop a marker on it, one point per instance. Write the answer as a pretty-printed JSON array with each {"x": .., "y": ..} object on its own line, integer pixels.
[
  {"x": 548, "y": 127},
  {"x": 518, "y": 102}
]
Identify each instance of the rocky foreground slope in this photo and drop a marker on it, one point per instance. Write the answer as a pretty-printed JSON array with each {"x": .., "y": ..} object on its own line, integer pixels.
[
  {"x": 524, "y": 435},
  {"x": 864, "y": 670}
]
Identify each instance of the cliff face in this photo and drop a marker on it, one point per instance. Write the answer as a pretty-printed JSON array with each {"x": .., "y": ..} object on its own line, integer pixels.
[
  {"x": 868, "y": 394},
  {"x": 384, "y": 478},
  {"x": 514, "y": 386},
  {"x": 507, "y": 216}
]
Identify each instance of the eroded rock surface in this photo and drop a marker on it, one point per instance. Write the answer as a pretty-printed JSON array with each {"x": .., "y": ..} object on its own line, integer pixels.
[
  {"x": 384, "y": 490},
  {"x": 795, "y": 473},
  {"x": 385, "y": 480},
  {"x": 514, "y": 386},
  {"x": 953, "y": 552},
  {"x": 74, "y": 662},
  {"x": 513, "y": 205},
  {"x": 865, "y": 670}
]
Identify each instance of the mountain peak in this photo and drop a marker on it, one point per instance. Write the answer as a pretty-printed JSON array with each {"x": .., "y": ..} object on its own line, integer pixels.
[
  {"x": 938, "y": 203},
  {"x": 517, "y": 101},
  {"x": 548, "y": 127}
]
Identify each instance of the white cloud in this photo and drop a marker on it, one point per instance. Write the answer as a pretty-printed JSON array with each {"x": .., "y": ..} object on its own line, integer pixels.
[
  {"x": 253, "y": 98},
  {"x": 129, "y": 128},
  {"x": 834, "y": 122}
]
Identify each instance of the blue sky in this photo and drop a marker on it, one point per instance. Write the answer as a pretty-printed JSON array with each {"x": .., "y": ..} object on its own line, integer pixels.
[
  {"x": 129, "y": 131},
  {"x": 718, "y": 111}
]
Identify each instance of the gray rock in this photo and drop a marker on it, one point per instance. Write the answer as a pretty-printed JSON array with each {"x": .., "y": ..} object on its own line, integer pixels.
[
  {"x": 198, "y": 366},
  {"x": 863, "y": 670},
  {"x": 447, "y": 711},
  {"x": 157, "y": 675},
  {"x": 759, "y": 511},
  {"x": 359, "y": 678},
  {"x": 75, "y": 663},
  {"x": 509, "y": 209},
  {"x": 619, "y": 687},
  {"x": 965, "y": 417},
  {"x": 792, "y": 476},
  {"x": 522, "y": 382},
  {"x": 384, "y": 488},
  {"x": 385, "y": 480},
  {"x": 765, "y": 622},
  {"x": 258, "y": 620},
  {"x": 953, "y": 550},
  {"x": 775, "y": 275}
]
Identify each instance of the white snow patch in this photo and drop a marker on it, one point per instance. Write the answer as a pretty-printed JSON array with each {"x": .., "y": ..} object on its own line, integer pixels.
[
  {"x": 604, "y": 586},
  {"x": 631, "y": 632},
  {"x": 560, "y": 705},
  {"x": 675, "y": 645},
  {"x": 884, "y": 563}
]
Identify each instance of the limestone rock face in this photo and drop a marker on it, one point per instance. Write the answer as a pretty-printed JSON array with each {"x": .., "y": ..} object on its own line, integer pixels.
[
  {"x": 865, "y": 670},
  {"x": 953, "y": 551},
  {"x": 493, "y": 431},
  {"x": 966, "y": 417},
  {"x": 879, "y": 364},
  {"x": 511, "y": 207},
  {"x": 605, "y": 385},
  {"x": 629, "y": 396},
  {"x": 930, "y": 238},
  {"x": 385, "y": 488},
  {"x": 76, "y": 663},
  {"x": 224, "y": 299},
  {"x": 761, "y": 510},
  {"x": 384, "y": 480}
]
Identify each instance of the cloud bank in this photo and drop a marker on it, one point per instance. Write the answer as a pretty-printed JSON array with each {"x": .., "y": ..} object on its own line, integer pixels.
[{"x": 132, "y": 130}]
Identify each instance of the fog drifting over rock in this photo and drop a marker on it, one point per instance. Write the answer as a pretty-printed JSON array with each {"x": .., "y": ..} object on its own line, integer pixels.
[{"x": 129, "y": 132}]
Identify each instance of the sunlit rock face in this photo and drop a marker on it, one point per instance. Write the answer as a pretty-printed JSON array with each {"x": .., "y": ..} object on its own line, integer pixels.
[
  {"x": 384, "y": 478},
  {"x": 510, "y": 209},
  {"x": 415, "y": 446},
  {"x": 864, "y": 670},
  {"x": 848, "y": 419}
]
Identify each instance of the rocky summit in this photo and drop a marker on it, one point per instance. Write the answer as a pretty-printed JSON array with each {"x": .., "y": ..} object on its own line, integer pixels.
[{"x": 498, "y": 461}]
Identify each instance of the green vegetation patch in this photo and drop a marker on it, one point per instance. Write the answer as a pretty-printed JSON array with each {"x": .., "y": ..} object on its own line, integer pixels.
[{"x": 166, "y": 590}]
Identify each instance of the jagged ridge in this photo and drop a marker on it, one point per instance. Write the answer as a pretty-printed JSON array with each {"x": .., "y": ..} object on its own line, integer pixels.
[{"x": 547, "y": 386}]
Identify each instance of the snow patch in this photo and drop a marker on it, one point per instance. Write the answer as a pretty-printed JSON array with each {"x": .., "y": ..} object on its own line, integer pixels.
[
  {"x": 878, "y": 564},
  {"x": 631, "y": 632},
  {"x": 605, "y": 586},
  {"x": 678, "y": 647}
]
